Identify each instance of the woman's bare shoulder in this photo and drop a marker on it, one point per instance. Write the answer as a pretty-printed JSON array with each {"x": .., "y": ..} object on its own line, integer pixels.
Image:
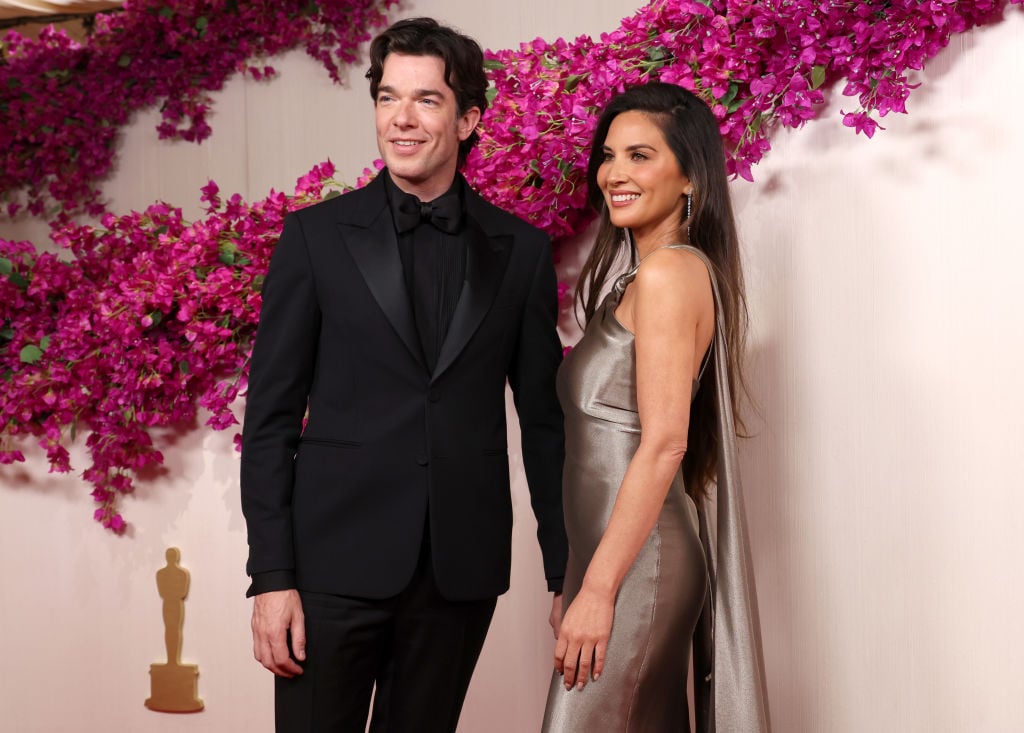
[{"x": 675, "y": 273}]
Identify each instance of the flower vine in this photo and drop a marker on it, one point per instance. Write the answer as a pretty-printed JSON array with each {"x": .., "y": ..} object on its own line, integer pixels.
[
  {"x": 63, "y": 102},
  {"x": 152, "y": 319},
  {"x": 147, "y": 318},
  {"x": 759, "y": 64}
]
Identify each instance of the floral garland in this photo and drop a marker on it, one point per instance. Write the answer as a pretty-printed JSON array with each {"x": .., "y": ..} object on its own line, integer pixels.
[
  {"x": 154, "y": 317},
  {"x": 63, "y": 103},
  {"x": 757, "y": 64}
]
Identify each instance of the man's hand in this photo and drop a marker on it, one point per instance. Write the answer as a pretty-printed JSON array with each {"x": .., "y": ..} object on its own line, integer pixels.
[
  {"x": 555, "y": 619},
  {"x": 274, "y": 614}
]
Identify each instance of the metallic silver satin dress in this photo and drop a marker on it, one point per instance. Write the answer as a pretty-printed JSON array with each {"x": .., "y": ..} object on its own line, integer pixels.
[{"x": 668, "y": 592}]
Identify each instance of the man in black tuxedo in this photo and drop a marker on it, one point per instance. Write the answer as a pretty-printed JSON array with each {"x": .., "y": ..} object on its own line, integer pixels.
[{"x": 380, "y": 535}]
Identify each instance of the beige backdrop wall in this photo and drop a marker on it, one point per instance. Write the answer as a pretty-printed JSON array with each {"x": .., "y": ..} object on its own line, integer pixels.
[{"x": 883, "y": 477}]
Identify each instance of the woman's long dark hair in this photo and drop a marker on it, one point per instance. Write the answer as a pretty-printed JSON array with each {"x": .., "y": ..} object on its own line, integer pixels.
[{"x": 691, "y": 131}]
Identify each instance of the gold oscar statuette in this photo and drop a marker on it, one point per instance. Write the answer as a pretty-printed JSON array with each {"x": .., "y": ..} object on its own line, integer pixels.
[{"x": 174, "y": 687}]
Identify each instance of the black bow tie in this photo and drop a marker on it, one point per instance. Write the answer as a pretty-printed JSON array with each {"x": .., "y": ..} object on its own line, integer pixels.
[{"x": 445, "y": 213}]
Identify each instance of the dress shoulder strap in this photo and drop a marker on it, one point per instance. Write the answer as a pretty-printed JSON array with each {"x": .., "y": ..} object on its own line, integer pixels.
[{"x": 631, "y": 273}]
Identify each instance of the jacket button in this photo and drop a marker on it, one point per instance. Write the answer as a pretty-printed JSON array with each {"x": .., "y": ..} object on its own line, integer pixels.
[
  {"x": 434, "y": 395},
  {"x": 422, "y": 461}
]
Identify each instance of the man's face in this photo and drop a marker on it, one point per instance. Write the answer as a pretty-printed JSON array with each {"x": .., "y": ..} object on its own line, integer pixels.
[{"x": 418, "y": 124}]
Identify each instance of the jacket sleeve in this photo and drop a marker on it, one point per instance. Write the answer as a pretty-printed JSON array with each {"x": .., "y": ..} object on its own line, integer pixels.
[
  {"x": 532, "y": 378},
  {"x": 281, "y": 374}
]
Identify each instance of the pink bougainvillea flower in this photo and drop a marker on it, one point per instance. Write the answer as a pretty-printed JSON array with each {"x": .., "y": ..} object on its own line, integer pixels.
[{"x": 861, "y": 122}]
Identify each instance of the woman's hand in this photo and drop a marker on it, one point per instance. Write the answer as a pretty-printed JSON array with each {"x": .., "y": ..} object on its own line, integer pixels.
[{"x": 583, "y": 638}]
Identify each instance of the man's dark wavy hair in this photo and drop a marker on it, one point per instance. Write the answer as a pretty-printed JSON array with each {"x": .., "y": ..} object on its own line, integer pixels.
[{"x": 463, "y": 63}]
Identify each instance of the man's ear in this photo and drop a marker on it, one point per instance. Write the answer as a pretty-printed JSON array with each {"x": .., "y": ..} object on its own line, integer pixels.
[{"x": 468, "y": 122}]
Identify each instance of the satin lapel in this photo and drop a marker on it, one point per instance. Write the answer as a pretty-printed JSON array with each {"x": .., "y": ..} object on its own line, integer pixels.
[
  {"x": 373, "y": 245},
  {"x": 486, "y": 257}
]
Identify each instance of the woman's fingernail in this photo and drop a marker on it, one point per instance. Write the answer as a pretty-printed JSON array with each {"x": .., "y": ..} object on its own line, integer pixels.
[{"x": 596, "y": 675}]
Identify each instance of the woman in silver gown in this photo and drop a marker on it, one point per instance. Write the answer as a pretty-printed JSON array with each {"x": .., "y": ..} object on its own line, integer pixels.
[{"x": 647, "y": 431}]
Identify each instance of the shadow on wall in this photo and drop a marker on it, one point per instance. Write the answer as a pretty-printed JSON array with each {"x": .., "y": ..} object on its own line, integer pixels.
[{"x": 767, "y": 460}]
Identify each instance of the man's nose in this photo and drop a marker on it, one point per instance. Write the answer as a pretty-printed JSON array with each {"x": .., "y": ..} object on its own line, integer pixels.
[{"x": 404, "y": 116}]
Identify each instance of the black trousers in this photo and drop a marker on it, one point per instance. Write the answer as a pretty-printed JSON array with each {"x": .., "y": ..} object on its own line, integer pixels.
[{"x": 418, "y": 648}]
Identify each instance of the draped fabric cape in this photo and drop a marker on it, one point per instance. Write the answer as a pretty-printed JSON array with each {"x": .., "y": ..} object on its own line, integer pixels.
[{"x": 728, "y": 667}]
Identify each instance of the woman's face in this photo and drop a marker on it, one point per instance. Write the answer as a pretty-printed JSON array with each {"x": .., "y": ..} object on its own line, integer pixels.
[{"x": 640, "y": 178}]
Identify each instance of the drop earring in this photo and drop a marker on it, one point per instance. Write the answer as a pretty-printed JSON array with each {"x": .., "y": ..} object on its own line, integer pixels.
[{"x": 689, "y": 210}]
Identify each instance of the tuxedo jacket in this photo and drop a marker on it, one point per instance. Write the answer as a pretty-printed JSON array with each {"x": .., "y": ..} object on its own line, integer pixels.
[{"x": 341, "y": 506}]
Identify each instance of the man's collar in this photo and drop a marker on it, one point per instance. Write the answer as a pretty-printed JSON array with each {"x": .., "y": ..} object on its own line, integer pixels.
[{"x": 445, "y": 213}]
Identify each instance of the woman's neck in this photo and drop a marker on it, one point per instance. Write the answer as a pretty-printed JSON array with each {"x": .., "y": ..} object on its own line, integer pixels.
[{"x": 648, "y": 240}]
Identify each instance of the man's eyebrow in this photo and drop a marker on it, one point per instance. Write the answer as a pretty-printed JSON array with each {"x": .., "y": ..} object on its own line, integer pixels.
[{"x": 415, "y": 92}]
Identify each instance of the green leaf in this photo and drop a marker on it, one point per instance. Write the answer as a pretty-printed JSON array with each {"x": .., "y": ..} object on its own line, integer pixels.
[
  {"x": 30, "y": 354},
  {"x": 201, "y": 22},
  {"x": 74, "y": 431},
  {"x": 6, "y": 266},
  {"x": 493, "y": 64},
  {"x": 162, "y": 229},
  {"x": 332, "y": 194},
  {"x": 227, "y": 253},
  {"x": 8, "y": 375},
  {"x": 18, "y": 280},
  {"x": 157, "y": 316},
  {"x": 730, "y": 94},
  {"x": 166, "y": 12},
  {"x": 817, "y": 76},
  {"x": 572, "y": 82},
  {"x": 44, "y": 343},
  {"x": 6, "y": 333},
  {"x": 492, "y": 92},
  {"x": 124, "y": 61},
  {"x": 183, "y": 366}
]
